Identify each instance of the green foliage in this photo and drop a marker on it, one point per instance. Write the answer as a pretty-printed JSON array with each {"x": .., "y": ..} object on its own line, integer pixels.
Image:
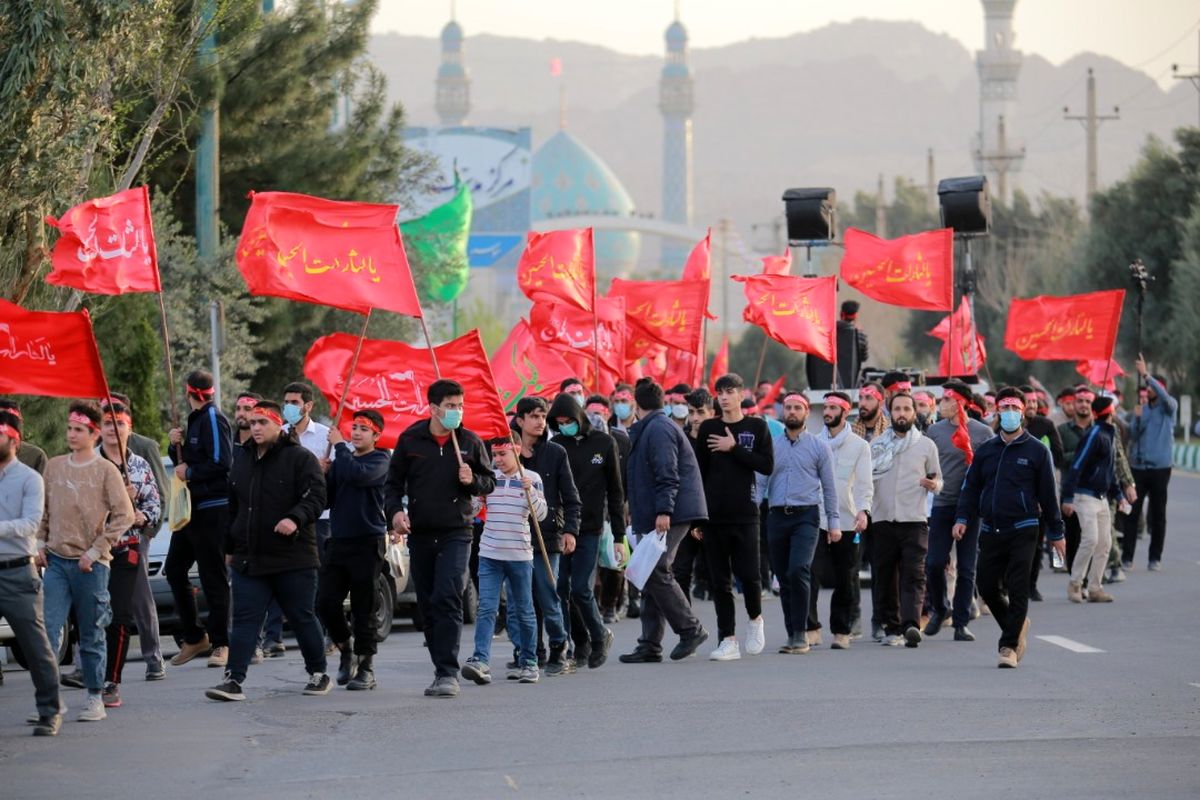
[
  {"x": 1182, "y": 351},
  {"x": 744, "y": 354}
]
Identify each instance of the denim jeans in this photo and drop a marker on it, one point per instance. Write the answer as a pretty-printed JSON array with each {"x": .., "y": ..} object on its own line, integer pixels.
[
  {"x": 296, "y": 591},
  {"x": 67, "y": 588},
  {"x": 21, "y": 605},
  {"x": 792, "y": 539},
  {"x": 967, "y": 548},
  {"x": 576, "y": 587},
  {"x": 439, "y": 572},
  {"x": 545, "y": 596},
  {"x": 493, "y": 573}
]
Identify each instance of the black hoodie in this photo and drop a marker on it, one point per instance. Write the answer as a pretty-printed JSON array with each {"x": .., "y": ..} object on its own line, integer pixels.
[
  {"x": 549, "y": 460},
  {"x": 596, "y": 467}
]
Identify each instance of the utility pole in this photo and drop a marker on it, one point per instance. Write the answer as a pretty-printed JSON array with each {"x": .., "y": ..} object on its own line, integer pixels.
[
  {"x": 931, "y": 198},
  {"x": 1194, "y": 77},
  {"x": 1091, "y": 123},
  {"x": 880, "y": 211},
  {"x": 1003, "y": 160},
  {"x": 208, "y": 148}
]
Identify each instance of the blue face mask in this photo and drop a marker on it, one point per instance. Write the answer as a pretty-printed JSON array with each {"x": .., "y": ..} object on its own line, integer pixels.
[
  {"x": 292, "y": 413},
  {"x": 452, "y": 419},
  {"x": 1010, "y": 421},
  {"x": 622, "y": 410},
  {"x": 568, "y": 428},
  {"x": 580, "y": 398}
]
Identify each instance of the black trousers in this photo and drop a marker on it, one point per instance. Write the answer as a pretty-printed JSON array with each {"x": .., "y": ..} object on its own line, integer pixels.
[
  {"x": 122, "y": 576},
  {"x": 352, "y": 566},
  {"x": 898, "y": 550},
  {"x": 439, "y": 570},
  {"x": 690, "y": 565},
  {"x": 199, "y": 543},
  {"x": 1002, "y": 575},
  {"x": 732, "y": 549},
  {"x": 1151, "y": 490},
  {"x": 1073, "y": 534},
  {"x": 843, "y": 560}
]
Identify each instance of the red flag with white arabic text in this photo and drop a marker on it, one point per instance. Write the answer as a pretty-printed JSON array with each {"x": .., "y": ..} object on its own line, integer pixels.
[
  {"x": 914, "y": 271},
  {"x": 345, "y": 255},
  {"x": 49, "y": 353},
  {"x": 559, "y": 267},
  {"x": 392, "y": 378},
  {"x": 569, "y": 332},
  {"x": 107, "y": 246},
  {"x": 523, "y": 368},
  {"x": 1068, "y": 328},
  {"x": 800, "y": 313}
]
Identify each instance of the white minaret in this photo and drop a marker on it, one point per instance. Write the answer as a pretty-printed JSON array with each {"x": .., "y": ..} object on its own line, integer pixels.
[
  {"x": 675, "y": 103},
  {"x": 996, "y": 150},
  {"x": 453, "y": 101}
]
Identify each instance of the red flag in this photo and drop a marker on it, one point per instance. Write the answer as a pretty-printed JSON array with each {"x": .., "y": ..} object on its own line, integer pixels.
[
  {"x": 667, "y": 312},
  {"x": 772, "y": 394},
  {"x": 799, "y": 313},
  {"x": 559, "y": 267},
  {"x": 1100, "y": 372},
  {"x": 957, "y": 356},
  {"x": 720, "y": 365},
  {"x": 49, "y": 353},
  {"x": 913, "y": 271},
  {"x": 345, "y": 255},
  {"x": 392, "y": 378},
  {"x": 697, "y": 266},
  {"x": 107, "y": 246},
  {"x": 523, "y": 368},
  {"x": 1081, "y": 326},
  {"x": 682, "y": 367},
  {"x": 778, "y": 265},
  {"x": 569, "y": 331}
]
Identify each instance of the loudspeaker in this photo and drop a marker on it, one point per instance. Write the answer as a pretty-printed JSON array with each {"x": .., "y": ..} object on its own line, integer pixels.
[
  {"x": 810, "y": 214},
  {"x": 966, "y": 204}
]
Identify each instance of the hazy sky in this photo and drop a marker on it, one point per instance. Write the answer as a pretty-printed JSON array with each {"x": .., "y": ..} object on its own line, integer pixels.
[{"x": 1147, "y": 34}]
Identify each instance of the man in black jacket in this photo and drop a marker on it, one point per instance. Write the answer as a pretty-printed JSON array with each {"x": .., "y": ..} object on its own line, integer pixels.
[
  {"x": 356, "y": 548},
  {"x": 276, "y": 493},
  {"x": 596, "y": 469},
  {"x": 203, "y": 459},
  {"x": 436, "y": 468},
  {"x": 549, "y": 460},
  {"x": 1009, "y": 486}
]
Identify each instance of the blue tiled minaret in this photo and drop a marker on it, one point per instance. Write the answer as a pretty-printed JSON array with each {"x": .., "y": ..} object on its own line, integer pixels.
[{"x": 676, "y": 103}]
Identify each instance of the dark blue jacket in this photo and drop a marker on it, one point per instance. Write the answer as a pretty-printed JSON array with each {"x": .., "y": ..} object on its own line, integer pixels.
[
  {"x": 354, "y": 493},
  {"x": 1009, "y": 486},
  {"x": 208, "y": 453},
  {"x": 1093, "y": 470},
  {"x": 664, "y": 477}
]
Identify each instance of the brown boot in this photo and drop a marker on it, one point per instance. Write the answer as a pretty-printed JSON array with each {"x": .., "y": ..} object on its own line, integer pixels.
[
  {"x": 190, "y": 651},
  {"x": 219, "y": 657},
  {"x": 1098, "y": 595},
  {"x": 1075, "y": 592}
]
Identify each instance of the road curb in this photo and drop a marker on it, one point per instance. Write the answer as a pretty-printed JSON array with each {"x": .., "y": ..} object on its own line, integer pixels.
[{"x": 1187, "y": 457}]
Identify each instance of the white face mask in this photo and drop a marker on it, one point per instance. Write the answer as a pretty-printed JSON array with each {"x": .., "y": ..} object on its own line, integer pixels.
[{"x": 679, "y": 411}]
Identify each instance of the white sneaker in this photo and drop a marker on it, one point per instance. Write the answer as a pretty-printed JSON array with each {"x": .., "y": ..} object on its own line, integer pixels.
[
  {"x": 93, "y": 709},
  {"x": 727, "y": 650},
  {"x": 756, "y": 637}
]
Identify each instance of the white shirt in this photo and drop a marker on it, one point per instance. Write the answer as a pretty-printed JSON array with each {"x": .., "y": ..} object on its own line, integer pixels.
[{"x": 315, "y": 439}]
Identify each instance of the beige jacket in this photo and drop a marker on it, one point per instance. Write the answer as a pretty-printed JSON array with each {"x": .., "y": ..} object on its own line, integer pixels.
[
  {"x": 87, "y": 509},
  {"x": 899, "y": 496}
]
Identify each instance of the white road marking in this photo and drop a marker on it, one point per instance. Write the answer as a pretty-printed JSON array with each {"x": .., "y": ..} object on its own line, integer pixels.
[
  {"x": 1197, "y": 685},
  {"x": 1070, "y": 644}
]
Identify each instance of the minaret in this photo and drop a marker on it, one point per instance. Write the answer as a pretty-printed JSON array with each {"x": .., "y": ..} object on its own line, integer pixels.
[
  {"x": 997, "y": 151},
  {"x": 675, "y": 103},
  {"x": 453, "y": 82}
]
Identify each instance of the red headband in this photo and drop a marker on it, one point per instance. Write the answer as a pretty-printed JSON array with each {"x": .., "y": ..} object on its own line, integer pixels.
[
  {"x": 975, "y": 407},
  {"x": 953, "y": 395},
  {"x": 120, "y": 416},
  {"x": 502, "y": 447},
  {"x": 927, "y": 395},
  {"x": 622, "y": 396},
  {"x": 203, "y": 394},
  {"x": 1011, "y": 401},
  {"x": 834, "y": 400},
  {"x": 10, "y": 432},
  {"x": 246, "y": 399},
  {"x": 796, "y": 396},
  {"x": 1087, "y": 396},
  {"x": 900, "y": 385},
  {"x": 268, "y": 414},
  {"x": 1104, "y": 412},
  {"x": 366, "y": 422},
  {"x": 82, "y": 419},
  {"x": 597, "y": 408},
  {"x": 870, "y": 391},
  {"x": 16, "y": 412}
]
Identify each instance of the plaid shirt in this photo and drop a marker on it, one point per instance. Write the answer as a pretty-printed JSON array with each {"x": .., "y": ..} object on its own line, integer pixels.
[{"x": 882, "y": 423}]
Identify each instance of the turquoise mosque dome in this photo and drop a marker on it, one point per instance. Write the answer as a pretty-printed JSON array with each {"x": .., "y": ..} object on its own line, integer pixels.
[{"x": 569, "y": 179}]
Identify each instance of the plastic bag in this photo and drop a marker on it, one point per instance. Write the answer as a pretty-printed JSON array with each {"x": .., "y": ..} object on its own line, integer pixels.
[
  {"x": 645, "y": 558},
  {"x": 612, "y": 555},
  {"x": 179, "y": 508}
]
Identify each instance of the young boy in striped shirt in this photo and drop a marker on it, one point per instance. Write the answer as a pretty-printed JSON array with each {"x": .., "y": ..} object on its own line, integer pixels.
[{"x": 506, "y": 555}]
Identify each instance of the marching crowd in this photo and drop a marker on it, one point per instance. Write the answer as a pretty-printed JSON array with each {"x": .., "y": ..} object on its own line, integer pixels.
[{"x": 952, "y": 502}]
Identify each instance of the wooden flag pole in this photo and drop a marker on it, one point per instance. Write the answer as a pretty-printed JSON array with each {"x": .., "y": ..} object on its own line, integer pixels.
[
  {"x": 337, "y": 417},
  {"x": 762, "y": 356}
]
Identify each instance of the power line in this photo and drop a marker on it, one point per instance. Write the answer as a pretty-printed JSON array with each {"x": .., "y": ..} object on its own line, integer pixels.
[{"x": 1169, "y": 47}]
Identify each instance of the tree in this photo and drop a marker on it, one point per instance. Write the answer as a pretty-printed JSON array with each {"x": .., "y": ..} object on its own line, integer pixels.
[
  {"x": 744, "y": 354},
  {"x": 1182, "y": 352}
]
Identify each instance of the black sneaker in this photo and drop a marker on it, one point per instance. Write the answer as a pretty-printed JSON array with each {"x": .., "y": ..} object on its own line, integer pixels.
[
  {"x": 477, "y": 671},
  {"x": 47, "y": 726},
  {"x": 688, "y": 646},
  {"x": 1035, "y": 595},
  {"x": 962, "y": 634},
  {"x": 228, "y": 690},
  {"x": 318, "y": 684},
  {"x": 600, "y": 650},
  {"x": 345, "y": 666},
  {"x": 556, "y": 664},
  {"x": 640, "y": 655},
  {"x": 364, "y": 676},
  {"x": 156, "y": 671},
  {"x": 912, "y": 636},
  {"x": 934, "y": 625},
  {"x": 73, "y": 680}
]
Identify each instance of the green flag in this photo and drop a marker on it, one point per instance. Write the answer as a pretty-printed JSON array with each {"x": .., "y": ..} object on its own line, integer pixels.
[{"x": 436, "y": 245}]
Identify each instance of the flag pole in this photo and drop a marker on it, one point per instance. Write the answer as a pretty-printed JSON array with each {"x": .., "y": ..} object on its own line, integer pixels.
[
  {"x": 166, "y": 339},
  {"x": 762, "y": 356},
  {"x": 337, "y": 417},
  {"x": 595, "y": 338}
]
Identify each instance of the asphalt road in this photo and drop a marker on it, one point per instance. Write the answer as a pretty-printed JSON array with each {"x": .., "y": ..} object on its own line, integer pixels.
[{"x": 1123, "y": 721}]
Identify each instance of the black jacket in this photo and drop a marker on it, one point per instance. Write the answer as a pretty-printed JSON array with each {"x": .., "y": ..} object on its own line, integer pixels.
[
  {"x": 562, "y": 498},
  {"x": 425, "y": 474},
  {"x": 730, "y": 478},
  {"x": 208, "y": 453},
  {"x": 1044, "y": 430},
  {"x": 1009, "y": 486},
  {"x": 596, "y": 469},
  {"x": 354, "y": 493},
  {"x": 1093, "y": 470},
  {"x": 284, "y": 483}
]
